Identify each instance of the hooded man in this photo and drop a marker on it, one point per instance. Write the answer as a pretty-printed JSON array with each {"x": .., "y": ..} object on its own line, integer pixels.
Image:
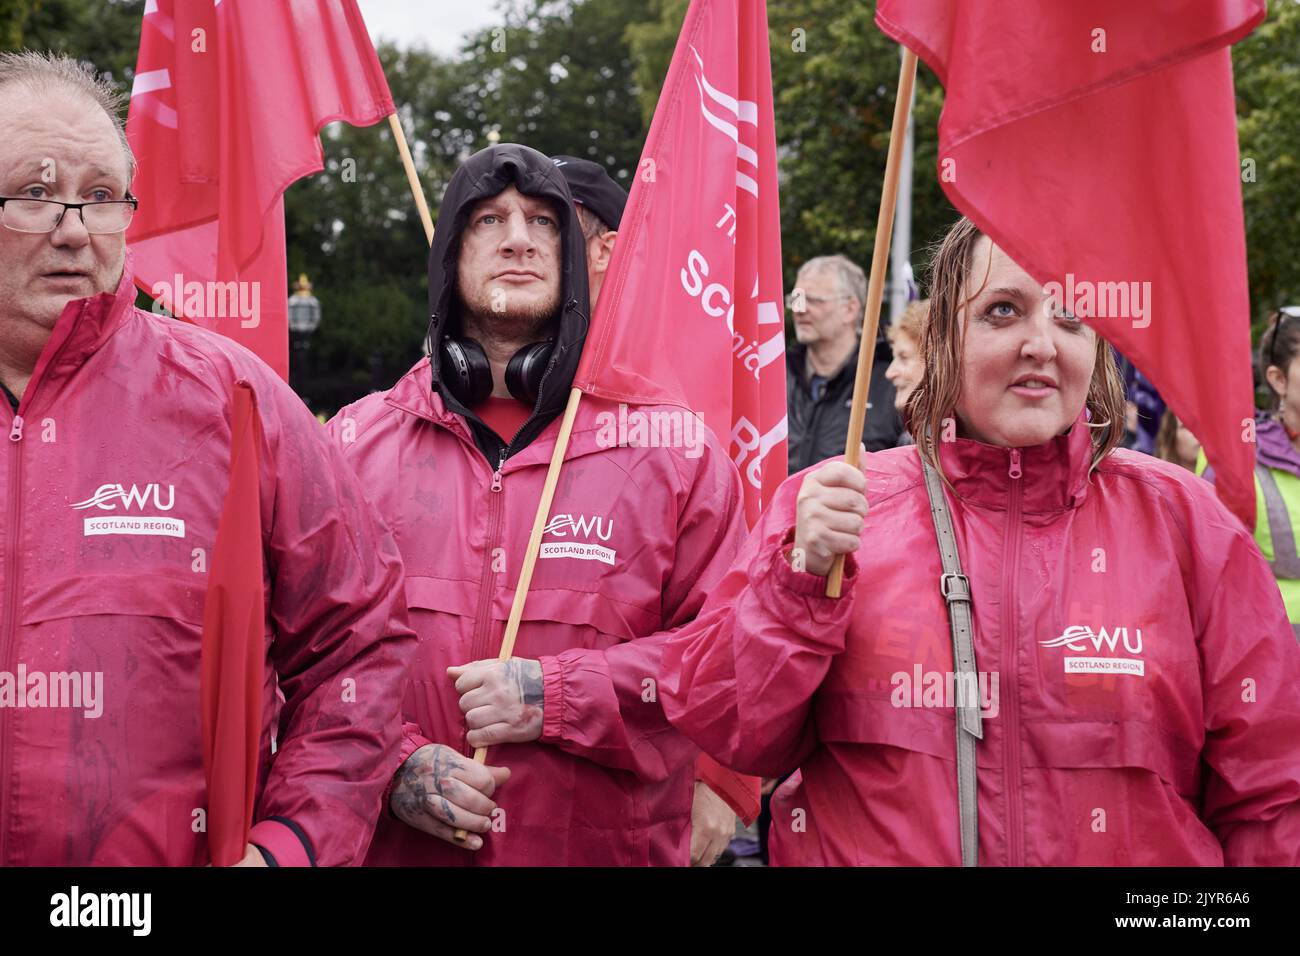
[
  {"x": 455, "y": 455},
  {"x": 114, "y": 481}
]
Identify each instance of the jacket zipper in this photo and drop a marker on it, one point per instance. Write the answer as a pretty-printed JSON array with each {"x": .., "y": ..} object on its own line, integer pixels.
[
  {"x": 8, "y": 637},
  {"x": 486, "y": 589},
  {"x": 9, "y": 631},
  {"x": 1011, "y": 614},
  {"x": 481, "y": 645}
]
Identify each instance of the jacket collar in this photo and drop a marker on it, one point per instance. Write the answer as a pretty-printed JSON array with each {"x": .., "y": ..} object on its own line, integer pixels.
[
  {"x": 412, "y": 395},
  {"x": 1053, "y": 475},
  {"x": 1273, "y": 446},
  {"x": 82, "y": 328},
  {"x": 797, "y": 362},
  {"x": 797, "y": 354}
]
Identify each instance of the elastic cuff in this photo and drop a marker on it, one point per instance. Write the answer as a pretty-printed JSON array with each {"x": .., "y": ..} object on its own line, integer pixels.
[
  {"x": 740, "y": 792},
  {"x": 552, "y": 699},
  {"x": 408, "y": 744},
  {"x": 284, "y": 841},
  {"x": 407, "y": 747},
  {"x": 802, "y": 582},
  {"x": 797, "y": 601}
]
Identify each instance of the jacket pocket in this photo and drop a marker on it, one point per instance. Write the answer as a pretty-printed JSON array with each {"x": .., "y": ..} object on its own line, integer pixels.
[
  {"x": 1113, "y": 744},
  {"x": 874, "y": 718},
  {"x": 139, "y": 595}
]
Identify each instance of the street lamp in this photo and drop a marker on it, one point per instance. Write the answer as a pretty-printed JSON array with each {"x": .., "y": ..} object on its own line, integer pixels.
[{"x": 304, "y": 319}]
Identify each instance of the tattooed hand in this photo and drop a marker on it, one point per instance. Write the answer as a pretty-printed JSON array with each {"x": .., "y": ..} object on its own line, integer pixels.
[
  {"x": 439, "y": 791},
  {"x": 501, "y": 700}
]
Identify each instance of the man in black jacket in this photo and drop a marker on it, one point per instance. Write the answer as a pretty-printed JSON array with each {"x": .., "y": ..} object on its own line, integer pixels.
[{"x": 827, "y": 303}]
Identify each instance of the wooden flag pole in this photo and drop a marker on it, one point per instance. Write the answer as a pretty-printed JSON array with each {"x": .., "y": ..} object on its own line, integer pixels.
[
  {"x": 876, "y": 287},
  {"x": 399, "y": 134},
  {"x": 534, "y": 547}
]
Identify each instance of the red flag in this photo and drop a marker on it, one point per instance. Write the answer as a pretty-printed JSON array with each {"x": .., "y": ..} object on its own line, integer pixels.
[
  {"x": 690, "y": 313},
  {"x": 1096, "y": 143},
  {"x": 228, "y": 103},
  {"x": 234, "y": 652}
]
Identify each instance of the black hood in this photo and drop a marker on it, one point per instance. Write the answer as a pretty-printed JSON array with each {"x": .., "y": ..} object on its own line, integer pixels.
[{"x": 487, "y": 173}]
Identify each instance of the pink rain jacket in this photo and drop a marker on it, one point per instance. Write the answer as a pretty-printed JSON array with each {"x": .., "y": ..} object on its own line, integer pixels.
[
  {"x": 113, "y": 477},
  {"x": 1147, "y": 700},
  {"x": 636, "y": 539}
]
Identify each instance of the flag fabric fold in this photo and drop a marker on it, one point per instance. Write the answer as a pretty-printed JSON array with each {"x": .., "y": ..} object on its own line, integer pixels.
[
  {"x": 226, "y": 110},
  {"x": 233, "y": 658},
  {"x": 1097, "y": 145}
]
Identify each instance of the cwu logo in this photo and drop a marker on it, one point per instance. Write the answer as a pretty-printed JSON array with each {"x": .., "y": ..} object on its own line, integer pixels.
[
  {"x": 108, "y": 497},
  {"x": 143, "y": 511},
  {"x": 583, "y": 531},
  {"x": 581, "y": 525},
  {"x": 1101, "y": 650},
  {"x": 1073, "y": 638}
]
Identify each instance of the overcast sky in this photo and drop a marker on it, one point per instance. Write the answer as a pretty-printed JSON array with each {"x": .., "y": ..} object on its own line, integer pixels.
[{"x": 437, "y": 24}]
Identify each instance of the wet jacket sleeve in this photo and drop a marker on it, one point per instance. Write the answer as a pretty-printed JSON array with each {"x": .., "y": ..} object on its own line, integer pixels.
[
  {"x": 602, "y": 704},
  {"x": 341, "y": 647},
  {"x": 742, "y": 793},
  {"x": 1251, "y": 666},
  {"x": 412, "y": 738},
  {"x": 739, "y": 679}
]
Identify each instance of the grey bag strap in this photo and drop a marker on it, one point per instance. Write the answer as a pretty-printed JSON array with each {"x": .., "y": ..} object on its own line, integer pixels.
[
  {"x": 955, "y": 588},
  {"x": 1285, "y": 563}
]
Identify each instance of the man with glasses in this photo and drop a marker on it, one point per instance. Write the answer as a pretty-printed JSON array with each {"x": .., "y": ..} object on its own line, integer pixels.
[
  {"x": 826, "y": 305},
  {"x": 113, "y": 482}
]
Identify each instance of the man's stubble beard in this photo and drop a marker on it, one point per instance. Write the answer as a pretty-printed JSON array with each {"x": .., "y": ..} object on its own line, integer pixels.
[{"x": 516, "y": 325}]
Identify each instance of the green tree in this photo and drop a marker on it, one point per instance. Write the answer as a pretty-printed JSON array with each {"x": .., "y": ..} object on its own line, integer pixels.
[
  {"x": 105, "y": 33},
  {"x": 1266, "y": 66},
  {"x": 355, "y": 231},
  {"x": 559, "y": 76},
  {"x": 834, "y": 78},
  {"x": 13, "y": 17}
]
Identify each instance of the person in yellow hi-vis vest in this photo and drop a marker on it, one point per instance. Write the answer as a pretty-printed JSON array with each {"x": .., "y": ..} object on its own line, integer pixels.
[{"x": 1277, "y": 463}]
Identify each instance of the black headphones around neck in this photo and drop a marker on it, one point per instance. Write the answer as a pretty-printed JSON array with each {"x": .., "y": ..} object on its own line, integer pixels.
[{"x": 468, "y": 373}]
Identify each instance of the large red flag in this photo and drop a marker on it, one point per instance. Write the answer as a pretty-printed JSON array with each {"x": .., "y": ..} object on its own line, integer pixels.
[
  {"x": 234, "y": 650},
  {"x": 690, "y": 313},
  {"x": 1096, "y": 143},
  {"x": 228, "y": 103}
]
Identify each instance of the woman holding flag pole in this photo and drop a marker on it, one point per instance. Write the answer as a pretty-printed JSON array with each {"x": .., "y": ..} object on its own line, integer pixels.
[{"x": 1112, "y": 725}]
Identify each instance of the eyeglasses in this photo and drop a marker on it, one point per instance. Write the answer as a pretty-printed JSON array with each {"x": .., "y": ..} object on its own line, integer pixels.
[
  {"x": 800, "y": 303},
  {"x": 38, "y": 216}
]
